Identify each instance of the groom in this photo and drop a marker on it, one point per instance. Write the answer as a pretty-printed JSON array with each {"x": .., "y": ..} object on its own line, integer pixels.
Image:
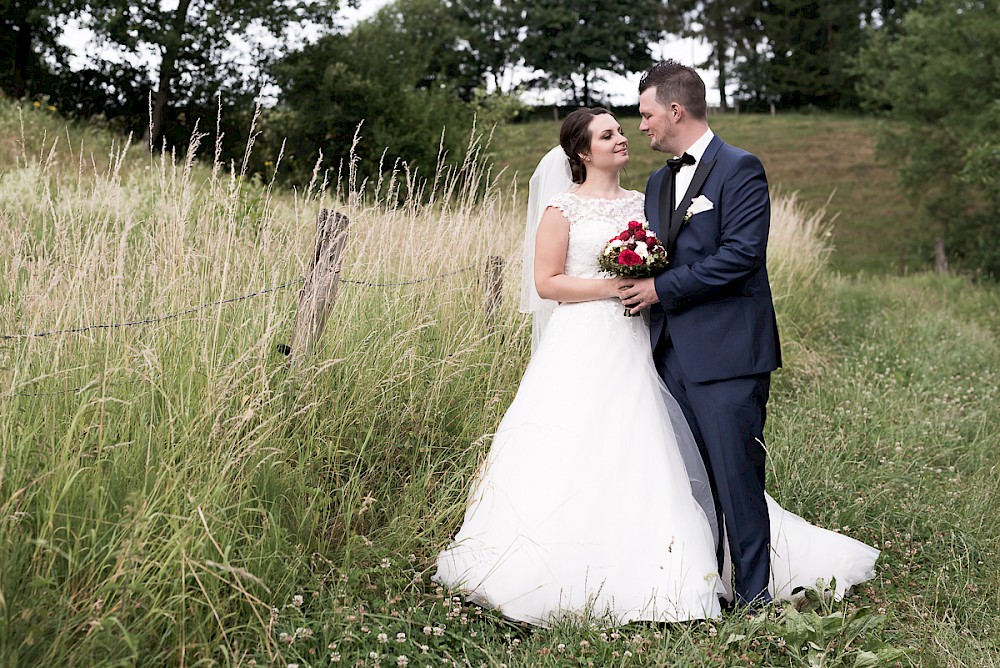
[{"x": 712, "y": 323}]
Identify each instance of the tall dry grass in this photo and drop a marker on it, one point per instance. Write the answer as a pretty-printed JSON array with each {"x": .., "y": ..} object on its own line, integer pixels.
[{"x": 164, "y": 486}]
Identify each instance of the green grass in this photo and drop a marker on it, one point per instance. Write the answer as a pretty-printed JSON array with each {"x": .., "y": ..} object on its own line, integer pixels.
[
  {"x": 167, "y": 492},
  {"x": 829, "y": 160}
]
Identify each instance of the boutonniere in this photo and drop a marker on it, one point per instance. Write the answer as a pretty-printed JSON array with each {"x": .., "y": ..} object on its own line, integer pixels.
[{"x": 699, "y": 204}]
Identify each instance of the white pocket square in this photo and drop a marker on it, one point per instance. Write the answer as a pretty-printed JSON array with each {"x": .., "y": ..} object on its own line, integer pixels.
[{"x": 700, "y": 204}]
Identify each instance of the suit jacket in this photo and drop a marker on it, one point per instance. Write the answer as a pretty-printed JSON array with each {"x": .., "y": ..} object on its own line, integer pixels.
[{"x": 715, "y": 295}]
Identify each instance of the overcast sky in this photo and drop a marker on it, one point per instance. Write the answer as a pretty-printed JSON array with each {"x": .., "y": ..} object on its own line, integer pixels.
[{"x": 621, "y": 90}]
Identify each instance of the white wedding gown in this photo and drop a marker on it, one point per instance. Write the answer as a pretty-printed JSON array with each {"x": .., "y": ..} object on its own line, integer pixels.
[{"x": 584, "y": 506}]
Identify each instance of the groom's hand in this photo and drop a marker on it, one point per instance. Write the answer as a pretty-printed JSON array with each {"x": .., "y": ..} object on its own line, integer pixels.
[{"x": 638, "y": 293}]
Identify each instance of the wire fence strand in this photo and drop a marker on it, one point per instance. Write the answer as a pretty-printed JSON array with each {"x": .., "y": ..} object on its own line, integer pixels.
[{"x": 232, "y": 300}]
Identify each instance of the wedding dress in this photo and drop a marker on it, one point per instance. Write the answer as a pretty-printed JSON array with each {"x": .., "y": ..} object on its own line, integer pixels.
[{"x": 588, "y": 505}]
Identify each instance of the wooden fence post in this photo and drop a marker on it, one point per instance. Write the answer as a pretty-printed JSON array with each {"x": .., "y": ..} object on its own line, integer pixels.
[
  {"x": 940, "y": 259},
  {"x": 494, "y": 286},
  {"x": 320, "y": 288}
]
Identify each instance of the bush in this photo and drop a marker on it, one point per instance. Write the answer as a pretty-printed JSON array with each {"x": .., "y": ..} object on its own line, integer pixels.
[{"x": 937, "y": 78}]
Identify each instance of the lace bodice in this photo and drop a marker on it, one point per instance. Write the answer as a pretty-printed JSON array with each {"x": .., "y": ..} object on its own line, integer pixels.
[{"x": 592, "y": 221}]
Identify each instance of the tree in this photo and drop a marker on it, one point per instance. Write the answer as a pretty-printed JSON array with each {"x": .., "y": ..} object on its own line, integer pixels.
[
  {"x": 492, "y": 32},
  {"x": 426, "y": 43},
  {"x": 403, "y": 93},
  {"x": 937, "y": 77},
  {"x": 193, "y": 40},
  {"x": 576, "y": 40},
  {"x": 810, "y": 46},
  {"x": 28, "y": 31},
  {"x": 733, "y": 29}
]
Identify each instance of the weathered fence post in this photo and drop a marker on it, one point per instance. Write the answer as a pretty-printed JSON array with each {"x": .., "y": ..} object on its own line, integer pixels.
[
  {"x": 494, "y": 286},
  {"x": 320, "y": 288},
  {"x": 940, "y": 259}
]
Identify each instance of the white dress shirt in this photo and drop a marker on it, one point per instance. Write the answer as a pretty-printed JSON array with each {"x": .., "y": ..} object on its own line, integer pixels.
[{"x": 686, "y": 173}]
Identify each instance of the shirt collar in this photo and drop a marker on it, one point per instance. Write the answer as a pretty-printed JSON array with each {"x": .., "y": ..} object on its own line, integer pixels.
[{"x": 698, "y": 148}]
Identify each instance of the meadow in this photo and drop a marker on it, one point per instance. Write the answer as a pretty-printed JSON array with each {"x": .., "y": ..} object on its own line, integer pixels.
[
  {"x": 827, "y": 160},
  {"x": 175, "y": 493}
]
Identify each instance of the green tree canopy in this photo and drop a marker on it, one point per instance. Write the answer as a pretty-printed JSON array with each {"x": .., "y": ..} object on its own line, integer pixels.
[
  {"x": 809, "y": 48},
  {"x": 30, "y": 57},
  {"x": 400, "y": 75},
  {"x": 573, "y": 41},
  {"x": 732, "y": 29},
  {"x": 491, "y": 32},
  {"x": 194, "y": 38},
  {"x": 938, "y": 77}
]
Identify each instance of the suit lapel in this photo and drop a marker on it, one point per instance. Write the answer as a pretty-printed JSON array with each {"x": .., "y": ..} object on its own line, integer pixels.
[
  {"x": 666, "y": 208},
  {"x": 701, "y": 173}
]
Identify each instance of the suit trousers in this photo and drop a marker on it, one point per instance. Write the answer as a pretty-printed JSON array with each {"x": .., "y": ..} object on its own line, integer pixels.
[{"x": 727, "y": 420}]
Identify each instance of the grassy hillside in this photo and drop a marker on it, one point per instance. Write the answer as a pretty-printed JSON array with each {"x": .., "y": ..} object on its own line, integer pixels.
[
  {"x": 174, "y": 493},
  {"x": 824, "y": 158}
]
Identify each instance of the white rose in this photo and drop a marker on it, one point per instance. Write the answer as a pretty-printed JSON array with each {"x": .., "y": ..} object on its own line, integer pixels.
[
  {"x": 641, "y": 249},
  {"x": 617, "y": 243}
]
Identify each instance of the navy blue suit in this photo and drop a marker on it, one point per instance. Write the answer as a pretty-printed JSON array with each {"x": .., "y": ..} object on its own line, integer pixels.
[{"x": 715, "y": 339}]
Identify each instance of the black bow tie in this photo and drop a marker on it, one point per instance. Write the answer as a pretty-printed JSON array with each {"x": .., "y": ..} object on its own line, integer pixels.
[{"x": 675, "y": 164}]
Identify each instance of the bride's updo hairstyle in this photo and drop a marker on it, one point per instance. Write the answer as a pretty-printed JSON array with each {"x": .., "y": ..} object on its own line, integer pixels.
[{"x": 574, "y": 137}]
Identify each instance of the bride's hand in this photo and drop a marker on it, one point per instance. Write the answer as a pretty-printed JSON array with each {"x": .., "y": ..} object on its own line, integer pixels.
[{"x": 620, "y": 283}]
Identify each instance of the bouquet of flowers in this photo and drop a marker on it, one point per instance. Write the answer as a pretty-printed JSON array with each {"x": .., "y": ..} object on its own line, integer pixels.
[{"x": 635, "y": 252}]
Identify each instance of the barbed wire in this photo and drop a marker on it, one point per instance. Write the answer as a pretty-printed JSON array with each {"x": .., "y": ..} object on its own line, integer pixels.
[
  {"x": 151, "y": 320},
  {"x": 413, "y": 282},
  {"x": 221, "y": 302}
]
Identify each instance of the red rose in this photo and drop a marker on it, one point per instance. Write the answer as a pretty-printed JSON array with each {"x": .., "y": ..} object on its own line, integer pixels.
[
  {"x": 624, "y": 235},
  {"x": 629, "y": 258},
  {"x": 634, "y": 225},
  {"x": 650, "y": 238},
  {"x": 640, "y": 234}
]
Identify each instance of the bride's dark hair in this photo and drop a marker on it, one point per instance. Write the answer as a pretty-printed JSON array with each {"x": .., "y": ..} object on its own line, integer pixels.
[{"x": 574, "y": 137}]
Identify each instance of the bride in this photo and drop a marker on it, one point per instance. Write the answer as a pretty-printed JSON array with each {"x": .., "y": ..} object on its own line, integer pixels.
[{"x": 593, "y": 502}]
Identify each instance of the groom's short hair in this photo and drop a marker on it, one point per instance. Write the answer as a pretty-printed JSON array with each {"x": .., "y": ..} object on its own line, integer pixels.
[{"x": 679, "y": 83}]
